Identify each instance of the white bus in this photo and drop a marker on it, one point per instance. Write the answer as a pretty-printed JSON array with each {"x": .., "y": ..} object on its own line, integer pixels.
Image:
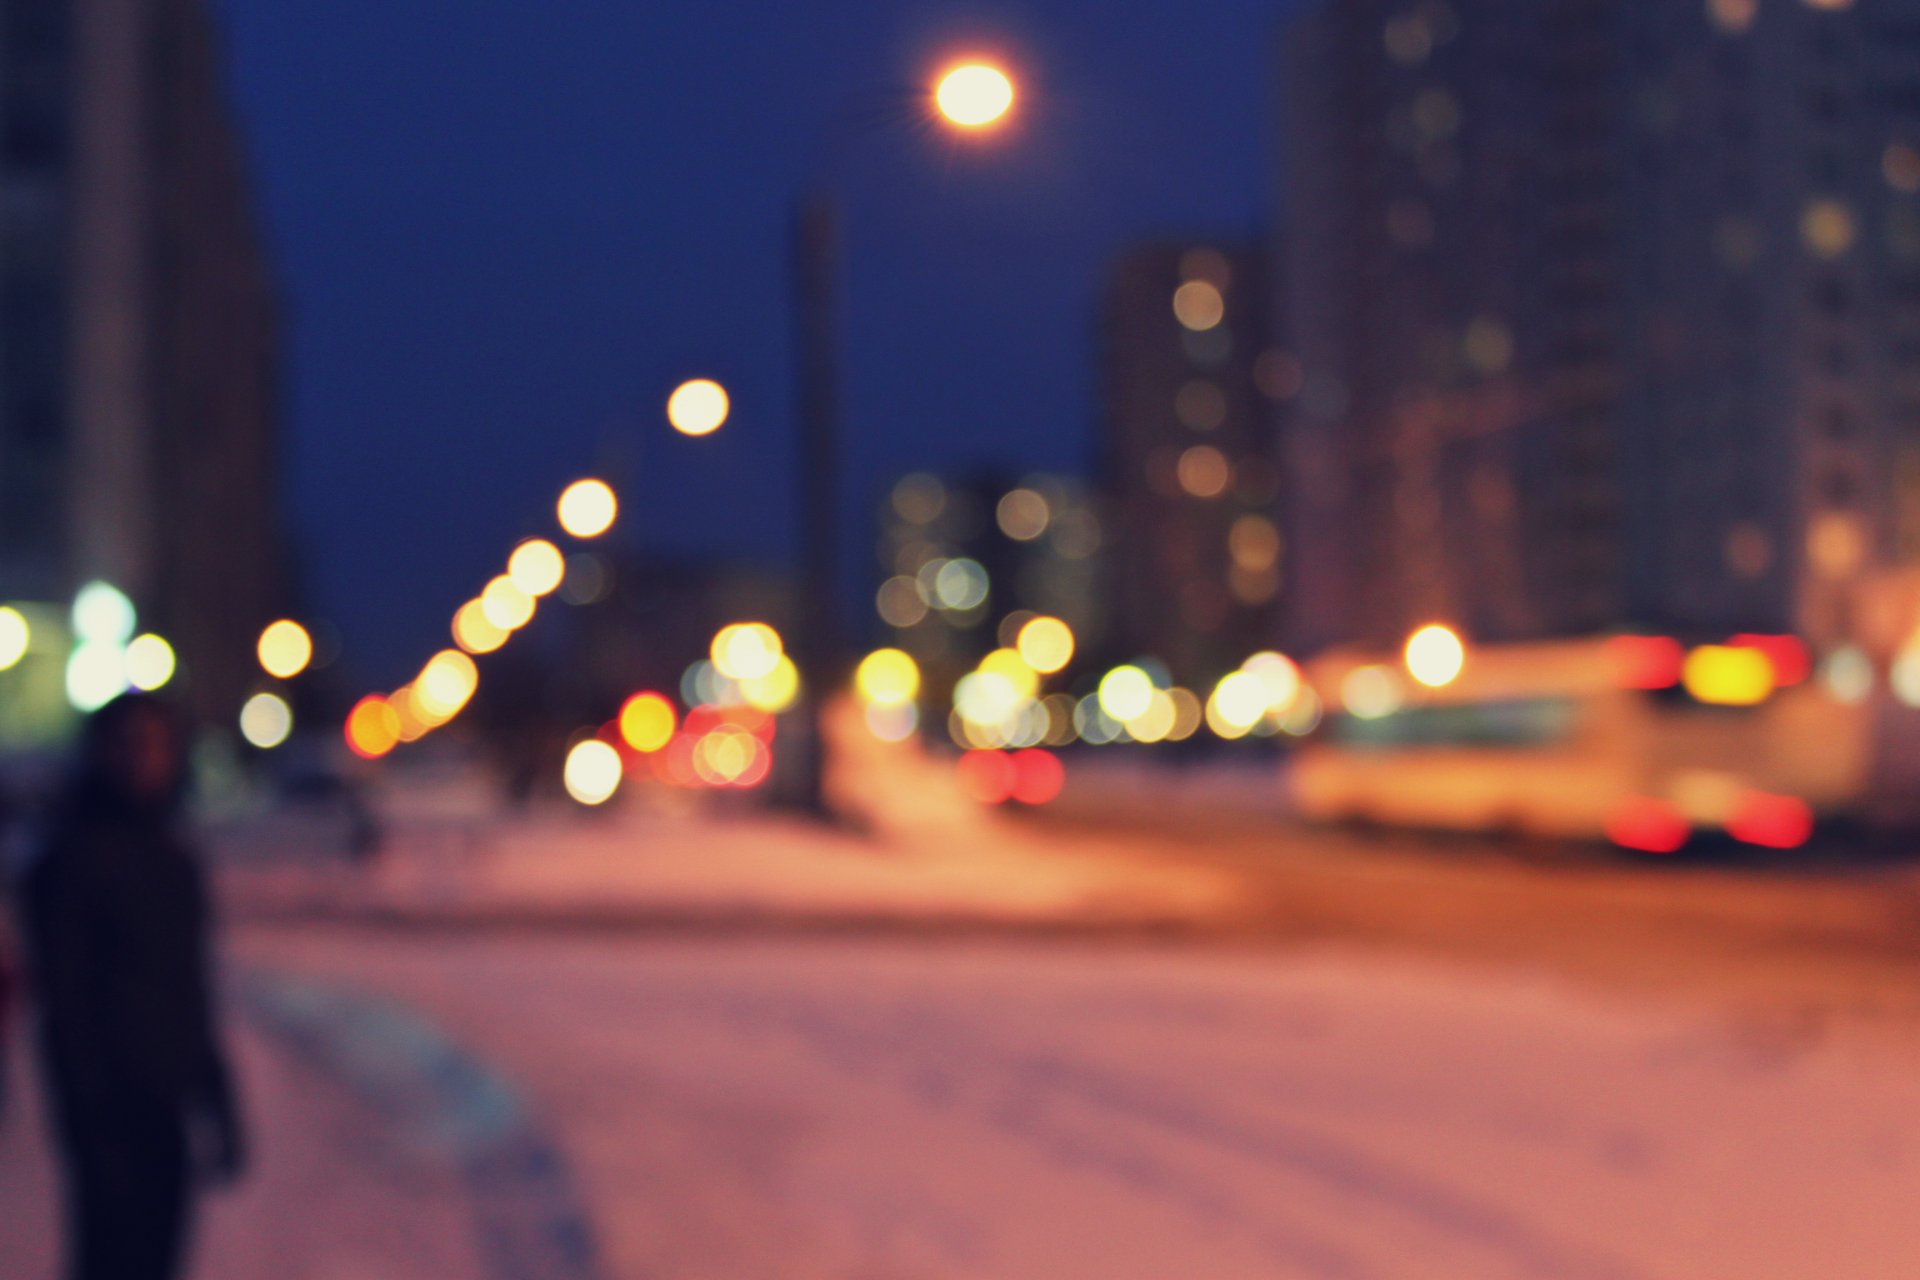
[{"x": 1632, "y": 739}]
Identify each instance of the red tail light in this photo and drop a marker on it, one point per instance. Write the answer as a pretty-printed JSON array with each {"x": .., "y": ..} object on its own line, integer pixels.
[
  {"x": 1792, "y": 664},
  {"x": 1646, "y": 662},
  {"x": 1772, "y": 822},
  {"x": 1648, "y": 826}
]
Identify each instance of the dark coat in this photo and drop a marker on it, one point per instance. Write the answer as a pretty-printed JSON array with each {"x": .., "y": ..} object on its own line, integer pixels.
[{"x": 117, "y": 925}]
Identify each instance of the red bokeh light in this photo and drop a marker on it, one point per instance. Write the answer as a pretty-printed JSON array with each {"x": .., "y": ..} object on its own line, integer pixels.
[
  {"x": 1772, "y": 822},
  {"x": 988, "y": 776},
  {"x": 1792, "y": 664},
  {"x": 1038, "y": 777},
  {"x": 1648, "y": 826},
  {"x": 1646, "y": 662}
]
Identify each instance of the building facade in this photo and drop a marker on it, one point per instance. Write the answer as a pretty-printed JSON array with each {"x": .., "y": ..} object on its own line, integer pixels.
[
  {"x": 138, "y": 375},
  {"x": 1606, "y": 313},
  {"x": 1189, "y": 468}
]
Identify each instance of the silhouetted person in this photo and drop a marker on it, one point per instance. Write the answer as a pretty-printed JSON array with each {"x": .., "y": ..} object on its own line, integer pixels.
[{"x": 116, "y": 916}]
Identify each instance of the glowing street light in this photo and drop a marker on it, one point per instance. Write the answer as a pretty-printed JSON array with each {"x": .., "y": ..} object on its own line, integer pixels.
[
  {"x": 974, "y": 95},
  {"x": 588, "y": 508},
  {"x": 285, "y": 649},
  {"x": 15, "y": 636},
  {"x": 698, "y": 408},
  {"x": 1435, "y": 656}
]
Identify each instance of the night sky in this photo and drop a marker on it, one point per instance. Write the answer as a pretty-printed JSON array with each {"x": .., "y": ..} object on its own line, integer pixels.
[{"x": 507, "y": 229}]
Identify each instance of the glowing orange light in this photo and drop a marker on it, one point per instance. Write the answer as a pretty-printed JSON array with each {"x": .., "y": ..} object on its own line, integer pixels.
[
  {"x": 1648, "y": 826},
  {"x": 373, "y": 728}
]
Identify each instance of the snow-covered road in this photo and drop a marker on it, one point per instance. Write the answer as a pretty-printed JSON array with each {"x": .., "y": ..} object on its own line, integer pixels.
[{"x": 886, "y": 1111}]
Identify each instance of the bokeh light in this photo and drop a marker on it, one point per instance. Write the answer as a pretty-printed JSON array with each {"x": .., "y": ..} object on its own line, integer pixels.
[
  {"x": 102, "y": 614},
  {"x": 1023, "y": 515},
  {"x": 775, "y": 691},
  {"x": 1728, "y": 675},
  {"x": 15, "y": 637},
  {"x": 505, "y": 605},
  {"x": 1046, "y": 644},
  {"x": 1198, "y": 306},
  {"x": 974, "y": 96},
  {"x": 593, "y": 772},
  {"x": 1038, "y": 777},
  {"x": 96, "y": 674},
  {"x": 1126, "y": 693},
  {"x": 588, "y": 508},
  {"x": 373, "y": 728},
  {"x": 150, "y": 663},
  {"x": 1435, "y": 656},
  {"x": 446, "y": 684},
  {"x": 987, "y": 776},
  {"x": 537, "y": 567},
  {"x": 285, "y": 649},
  {"x": 266, "y": 721},
  {"x": 647, "y": 722},
  {"x": 698, "y": 407},
  {"x": 888, "y": 678},
  {"x": 747, "y": 650},
  {"x": 474, "y": 631},
  {"x": 1371, "y": 693}
]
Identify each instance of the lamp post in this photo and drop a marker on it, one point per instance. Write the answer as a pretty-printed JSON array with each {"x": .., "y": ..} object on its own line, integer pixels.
[{"x": 971, "y": 97}]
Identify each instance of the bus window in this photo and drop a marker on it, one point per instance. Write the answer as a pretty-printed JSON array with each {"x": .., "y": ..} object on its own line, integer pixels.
[{"x": 1529, "y": 722}]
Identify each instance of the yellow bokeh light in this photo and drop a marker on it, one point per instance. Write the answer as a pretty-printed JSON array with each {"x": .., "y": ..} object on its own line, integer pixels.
[
  {"x": 266, "y": 721},
  {"x": 446, "y": 684},
  {"x": 588, "y": 508},
  {"x": 1279, "y": 676},
  {"x": 974, "y": 96},
  {"x": 888, "y": 678},
  {"x": 647, "y": 722},
  {"x": 699, "y": 407},
  {"x": 775, "y": 691},
  {"x": 1008, "y": 665},
  {"x": 1023, "y": 514},
  {"x": 1156, "y": 723},
  {"x": 537, "y": 567},
  {"x": 285, "y": 649},
  {"x": 150, "y": 663},
  {"x": 15, "y": 636},
  {"x": 1435, "y": 656},
  {"x": 474, "y": 631},
  {"x": 1198, "y": 306},
  {"x": 505, "y": 605},
  {"x": 1238, "y": 703},
  {"x": 1728, "y": 675},
  {"x": 593, "y": 772},
  {"x": 1047, "y": 645},
  {"x": 747, "y": 650},
  {"x": 1126, "y": 693}
]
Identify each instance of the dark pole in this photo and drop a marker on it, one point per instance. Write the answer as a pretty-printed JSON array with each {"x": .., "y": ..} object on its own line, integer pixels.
[{"x": 816, "y": 283}]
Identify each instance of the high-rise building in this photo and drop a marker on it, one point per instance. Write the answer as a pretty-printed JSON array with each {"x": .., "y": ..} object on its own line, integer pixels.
[
  {"x": 138, "y": 380},
  {"x": 959, "y": 560},
  {"x": 1189, "y": 467},
  {"x": 1608, "y": 313}
]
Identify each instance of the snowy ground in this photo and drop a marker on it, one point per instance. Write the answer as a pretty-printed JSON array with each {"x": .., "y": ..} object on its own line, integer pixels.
[{"x": 868, "y": 1111}]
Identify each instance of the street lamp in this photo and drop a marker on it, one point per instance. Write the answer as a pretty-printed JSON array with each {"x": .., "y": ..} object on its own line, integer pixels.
[{"x": 971, "y": 97}]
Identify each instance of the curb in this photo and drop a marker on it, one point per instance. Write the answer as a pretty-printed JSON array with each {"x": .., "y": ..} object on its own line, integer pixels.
[{"x": 527, "y": 1215}]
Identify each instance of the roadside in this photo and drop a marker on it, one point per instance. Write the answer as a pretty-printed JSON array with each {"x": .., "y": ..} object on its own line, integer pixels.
[{"x": 379, "y": 1152}]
